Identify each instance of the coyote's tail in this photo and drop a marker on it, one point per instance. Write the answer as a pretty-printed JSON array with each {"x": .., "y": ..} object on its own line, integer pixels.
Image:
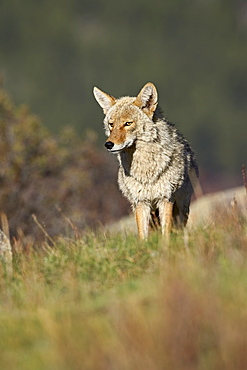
[{"x": 195, "y": 182}]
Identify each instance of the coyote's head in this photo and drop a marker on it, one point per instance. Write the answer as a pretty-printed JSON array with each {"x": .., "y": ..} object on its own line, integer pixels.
[{"x": 126, "y": 117}]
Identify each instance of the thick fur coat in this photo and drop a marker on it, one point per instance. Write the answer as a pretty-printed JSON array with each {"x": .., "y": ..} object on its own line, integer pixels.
[{"x": 157, "y": 164}]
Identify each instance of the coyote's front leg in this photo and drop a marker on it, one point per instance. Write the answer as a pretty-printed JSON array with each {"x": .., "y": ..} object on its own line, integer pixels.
[
  {"x": 142, "y": 215},
  {"x": 165, "y": 213}
]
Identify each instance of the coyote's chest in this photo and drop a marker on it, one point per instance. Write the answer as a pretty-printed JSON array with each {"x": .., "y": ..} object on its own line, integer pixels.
[{"x": 144, "y": 175}]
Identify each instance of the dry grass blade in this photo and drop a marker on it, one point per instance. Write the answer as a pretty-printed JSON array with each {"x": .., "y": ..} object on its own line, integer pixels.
[
  {"x": 5, "y": 246},
  {"x": 68, "y": 220},
  {"x": 5, "y": 224},
  {"x": 43, "y": 229}
]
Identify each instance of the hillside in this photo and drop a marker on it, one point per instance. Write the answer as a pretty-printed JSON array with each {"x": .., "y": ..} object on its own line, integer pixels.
[{"x": 201, "y": 211}]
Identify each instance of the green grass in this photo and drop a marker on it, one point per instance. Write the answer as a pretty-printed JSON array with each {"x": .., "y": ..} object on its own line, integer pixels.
[{"x": 113, "y": 302}]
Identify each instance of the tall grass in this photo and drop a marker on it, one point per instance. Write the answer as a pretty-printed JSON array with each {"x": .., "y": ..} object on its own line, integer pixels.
[{"x": 112, "y": 302}]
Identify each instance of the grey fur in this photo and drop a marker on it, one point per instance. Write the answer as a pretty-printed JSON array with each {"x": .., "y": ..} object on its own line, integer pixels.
[{"x": 155, "y": 160}]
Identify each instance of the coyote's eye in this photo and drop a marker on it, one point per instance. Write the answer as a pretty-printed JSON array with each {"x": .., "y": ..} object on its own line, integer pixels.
[
  {"x": 128, "y": 123},
  {"x": 111, "y": 124}
]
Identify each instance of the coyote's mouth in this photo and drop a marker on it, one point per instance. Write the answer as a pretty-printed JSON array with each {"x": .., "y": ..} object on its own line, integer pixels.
[
  {"x": 117, "y": 148},
  {"x": 116, "y": 151}
]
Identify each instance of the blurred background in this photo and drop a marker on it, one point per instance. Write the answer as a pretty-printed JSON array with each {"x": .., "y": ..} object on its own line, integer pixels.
[{"x": 53, "y": 52}]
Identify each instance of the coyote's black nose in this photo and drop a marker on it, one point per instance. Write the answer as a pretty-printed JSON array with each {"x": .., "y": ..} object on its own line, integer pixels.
[{"x": 109, "y": 145}]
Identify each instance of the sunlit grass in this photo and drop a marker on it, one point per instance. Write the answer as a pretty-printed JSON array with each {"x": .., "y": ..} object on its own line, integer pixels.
[{"x": 112, "y": 302}]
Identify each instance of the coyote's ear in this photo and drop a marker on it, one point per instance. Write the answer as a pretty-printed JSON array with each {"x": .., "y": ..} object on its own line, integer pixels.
[
  {"x": 147, "y": 99},
  {"x": 105, "y": 101}
]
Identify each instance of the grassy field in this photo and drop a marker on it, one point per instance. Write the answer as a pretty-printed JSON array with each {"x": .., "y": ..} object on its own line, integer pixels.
[{"x": 112, "y": 302}]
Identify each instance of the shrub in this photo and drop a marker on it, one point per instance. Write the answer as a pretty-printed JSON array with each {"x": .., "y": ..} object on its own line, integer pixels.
[{"x": 62, "y": 180}]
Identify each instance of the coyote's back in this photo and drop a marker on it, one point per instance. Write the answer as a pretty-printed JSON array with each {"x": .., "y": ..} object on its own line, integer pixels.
[{"x": 157, "y": 165}]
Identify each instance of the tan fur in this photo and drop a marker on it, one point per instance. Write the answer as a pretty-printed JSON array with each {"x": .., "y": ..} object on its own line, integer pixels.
[{"x": 157, "y": 165}]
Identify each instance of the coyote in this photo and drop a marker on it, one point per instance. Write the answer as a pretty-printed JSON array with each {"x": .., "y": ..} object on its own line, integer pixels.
[{"x": 157, "y": 167}]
